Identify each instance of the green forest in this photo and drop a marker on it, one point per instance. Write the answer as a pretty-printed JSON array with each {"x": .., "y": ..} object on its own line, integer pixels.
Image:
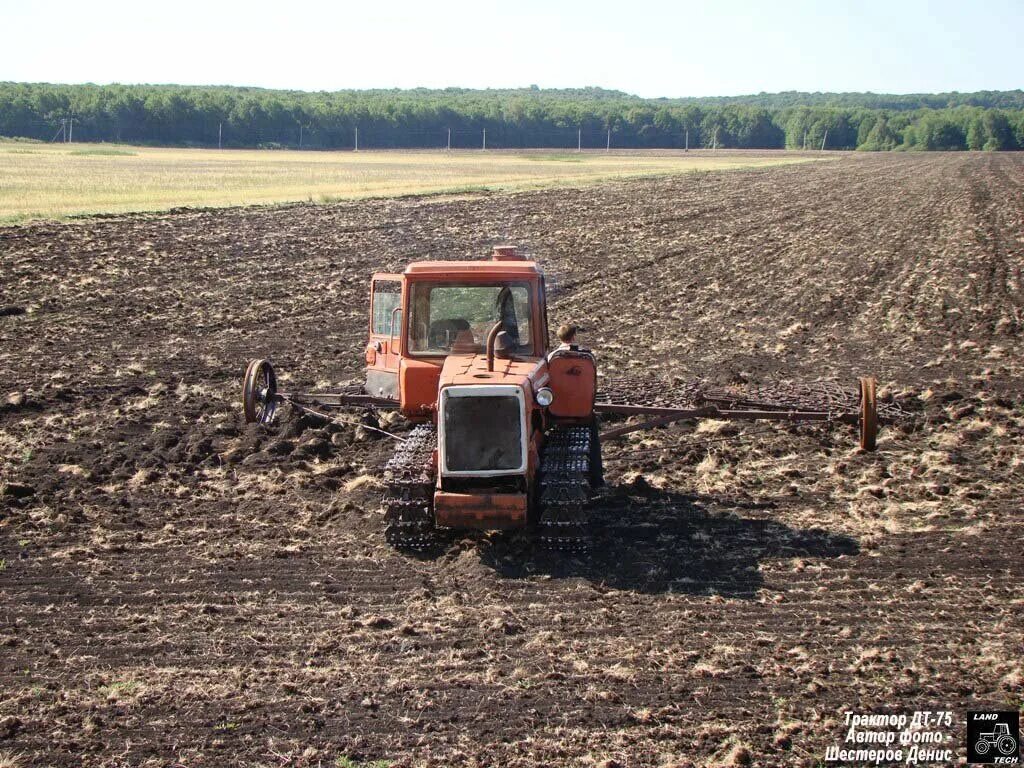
[{"x": 208, "y": 116}]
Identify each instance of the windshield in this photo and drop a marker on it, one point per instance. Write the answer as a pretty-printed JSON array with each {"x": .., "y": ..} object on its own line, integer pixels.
[{"x": 456, "y": 317}]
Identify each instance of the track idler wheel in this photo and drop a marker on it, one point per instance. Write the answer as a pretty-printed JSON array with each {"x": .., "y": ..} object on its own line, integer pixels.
[
  {"x": 868, "y": 413},
  {"x": 259, "y": 392}
]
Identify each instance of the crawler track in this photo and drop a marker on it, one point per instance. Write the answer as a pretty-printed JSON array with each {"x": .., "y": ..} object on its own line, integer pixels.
[
  {"x": 409, "y": 491},
  {"x": 565, "y": 489}
]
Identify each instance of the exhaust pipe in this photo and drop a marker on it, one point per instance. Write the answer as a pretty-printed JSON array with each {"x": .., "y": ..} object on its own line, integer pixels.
[{"x": 491, "y": 336}]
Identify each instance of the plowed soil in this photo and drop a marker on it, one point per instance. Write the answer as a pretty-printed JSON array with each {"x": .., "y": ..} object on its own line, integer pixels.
[{"x": 178, "y": 589}]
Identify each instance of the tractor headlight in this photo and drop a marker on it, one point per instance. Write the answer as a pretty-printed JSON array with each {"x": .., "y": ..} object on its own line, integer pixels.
[{"x": 544, "y": 397}]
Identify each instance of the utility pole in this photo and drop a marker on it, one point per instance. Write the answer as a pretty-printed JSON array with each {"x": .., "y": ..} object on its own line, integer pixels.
[
  {"x": 300, "y": 135},
  {"x": 579, "y": 139},
  {"x": 714, "y": 141},
  {"x": 220, "y": 135},
  {"x": 608, "y": 146},
  {"x": 687, "y": 140},
  {"x": 449, "y": 147},
  {"x": 357, "y": 139},
  {"x": 71, "y": 130},
  {"x": 824, "y": 139},
  {"x": 485, "y": 139}
]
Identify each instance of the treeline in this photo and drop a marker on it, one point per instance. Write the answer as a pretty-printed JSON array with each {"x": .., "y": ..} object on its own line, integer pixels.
[
  {"x": 530, "y": 117},
  {"x": 893, "y": 102}
]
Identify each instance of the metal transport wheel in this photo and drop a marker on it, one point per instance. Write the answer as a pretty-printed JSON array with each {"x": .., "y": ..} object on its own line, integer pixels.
[
  {"x": 259, "y": 392},
  {"x": 868, "y": 413}
]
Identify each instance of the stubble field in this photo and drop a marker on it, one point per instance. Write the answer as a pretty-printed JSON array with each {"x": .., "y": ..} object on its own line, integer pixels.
[
  {"x": 57, "y": 181},
  {"x": 179, "y": 589}
]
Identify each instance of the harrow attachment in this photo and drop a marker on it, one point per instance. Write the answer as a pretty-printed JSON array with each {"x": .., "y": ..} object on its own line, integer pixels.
[
  {"x": 823, "y": 401},
  {"x": 260, "y": 397},
  {"x": 826, "y": 402}
]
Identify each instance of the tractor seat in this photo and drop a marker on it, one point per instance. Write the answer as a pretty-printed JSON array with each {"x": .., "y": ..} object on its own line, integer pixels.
[
  {"x": 464, "y": 344},
  {"x": 444, "y": 333}
]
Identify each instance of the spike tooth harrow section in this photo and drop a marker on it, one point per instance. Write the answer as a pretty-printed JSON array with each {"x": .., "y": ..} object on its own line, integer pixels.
[
  {"x": 825, "y": 397},
  {"x": 657, "y": 394},
  {"x": 409, "y": 491},
  {"x": 565, "y": 488}
]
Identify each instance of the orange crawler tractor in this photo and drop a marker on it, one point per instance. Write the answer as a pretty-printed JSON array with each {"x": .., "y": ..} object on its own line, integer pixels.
[{"x": 506, "y": 429}]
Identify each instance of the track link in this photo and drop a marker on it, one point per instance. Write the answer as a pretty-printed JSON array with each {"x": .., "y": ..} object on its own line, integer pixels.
[
  {"x": 565, "y": 488},
  {"x": 409, "y": 492}
]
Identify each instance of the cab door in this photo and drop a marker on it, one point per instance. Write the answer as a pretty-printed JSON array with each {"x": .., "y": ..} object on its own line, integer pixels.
[{"x": 383, "y": 350}]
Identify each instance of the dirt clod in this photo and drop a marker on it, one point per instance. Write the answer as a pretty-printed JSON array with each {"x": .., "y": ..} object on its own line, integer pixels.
[
  {"x": 18, "y": 490},
  {"x": 9, "y": 726}
]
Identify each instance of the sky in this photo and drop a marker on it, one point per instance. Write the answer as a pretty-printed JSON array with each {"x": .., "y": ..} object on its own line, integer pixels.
[{"x": 651, "y": 49}]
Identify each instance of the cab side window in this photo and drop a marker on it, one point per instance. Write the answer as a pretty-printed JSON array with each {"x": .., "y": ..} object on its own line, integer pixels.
[{"x": 387, "y": 296}]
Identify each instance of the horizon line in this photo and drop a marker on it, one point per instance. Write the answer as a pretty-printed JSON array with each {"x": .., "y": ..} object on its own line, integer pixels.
[{"x": 524, "y": 88}]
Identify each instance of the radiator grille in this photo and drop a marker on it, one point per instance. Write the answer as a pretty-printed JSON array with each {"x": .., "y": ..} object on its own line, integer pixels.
[{"x": 483, "y": 433}]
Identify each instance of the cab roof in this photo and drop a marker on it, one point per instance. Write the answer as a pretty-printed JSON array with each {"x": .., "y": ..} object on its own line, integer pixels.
[{"x": 449, "y": 269}]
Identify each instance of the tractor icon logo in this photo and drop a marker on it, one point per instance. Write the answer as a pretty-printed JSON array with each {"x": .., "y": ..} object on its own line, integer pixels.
[{"x": 993, "y": 737}]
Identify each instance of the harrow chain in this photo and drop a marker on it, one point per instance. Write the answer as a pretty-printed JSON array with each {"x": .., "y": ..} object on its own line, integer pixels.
[{"x": 409, "y": 491}]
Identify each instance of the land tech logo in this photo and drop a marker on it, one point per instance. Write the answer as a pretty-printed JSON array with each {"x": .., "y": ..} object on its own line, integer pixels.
[{"x": 993, "y": 738}]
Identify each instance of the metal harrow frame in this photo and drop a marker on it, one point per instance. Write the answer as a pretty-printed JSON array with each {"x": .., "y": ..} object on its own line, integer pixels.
[{"x": 824, "y": 402}]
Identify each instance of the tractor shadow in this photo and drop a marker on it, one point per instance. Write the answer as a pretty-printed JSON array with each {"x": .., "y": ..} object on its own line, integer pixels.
[{"x": 653, "y": 541}]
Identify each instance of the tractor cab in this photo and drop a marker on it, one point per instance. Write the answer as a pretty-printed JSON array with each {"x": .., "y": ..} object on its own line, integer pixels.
[
  {"x": 437, "y": 309},
  {"x": 456, "y": 316}
]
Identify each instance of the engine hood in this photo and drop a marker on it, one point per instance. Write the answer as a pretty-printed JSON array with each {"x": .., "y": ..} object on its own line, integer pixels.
[{"x": 529, "y": 373}]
